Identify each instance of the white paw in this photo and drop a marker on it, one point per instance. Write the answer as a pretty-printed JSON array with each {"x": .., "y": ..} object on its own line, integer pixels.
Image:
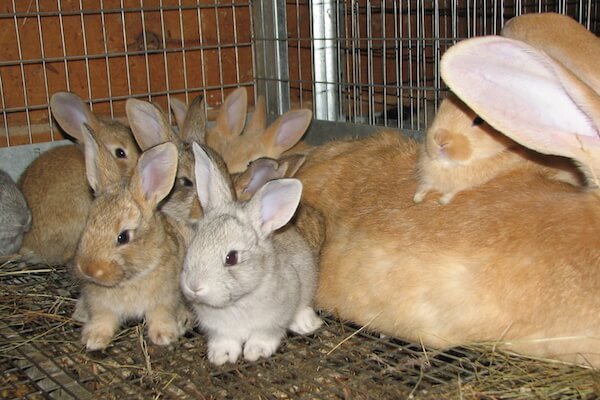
[
  {"x": 419, "y": 196},
  {"x": 257, "y": 347},
  {"x": 96, "y": 338},
  {"x": 222, "y": 351},
  {"x": 446, "y": 199},
  {"x": 80, "y": 314},
  {"x": 306, "y": 321}
]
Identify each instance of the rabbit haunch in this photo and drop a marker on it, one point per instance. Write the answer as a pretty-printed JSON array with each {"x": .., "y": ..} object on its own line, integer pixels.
[
  {"x": 248, "y": 280},
  {"x": 514, "y": 261}
]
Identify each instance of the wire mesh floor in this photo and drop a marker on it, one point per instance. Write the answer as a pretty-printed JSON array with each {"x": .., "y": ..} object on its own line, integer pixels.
[{"x": 42, "y": 357}]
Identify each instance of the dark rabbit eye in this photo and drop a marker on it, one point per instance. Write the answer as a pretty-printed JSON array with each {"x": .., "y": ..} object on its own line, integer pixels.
[
  {"x": 120, "y": 153},
  {"x": 123, "y": 238},
  {"x": 186, "y": 182},
  {"x": 232, "y": 258},
  {"x": 478, "y": 121}
]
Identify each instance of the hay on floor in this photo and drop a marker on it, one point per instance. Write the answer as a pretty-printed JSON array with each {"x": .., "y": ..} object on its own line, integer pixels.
[{"x": 42, "y": 357}]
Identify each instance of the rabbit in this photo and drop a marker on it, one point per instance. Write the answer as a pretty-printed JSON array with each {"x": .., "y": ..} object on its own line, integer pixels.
[
  {"x": 514, "y": 263},
  {"x": 461, "y": 151},
  {"x": 130, "y": 254},
  {"x": 240, "y": 144},
  {"x": 150, "y": 127},
  {"x": 247, "y": 279},
  {"x": 55, "y": 185},
  {"x": 15, "y": 216}
]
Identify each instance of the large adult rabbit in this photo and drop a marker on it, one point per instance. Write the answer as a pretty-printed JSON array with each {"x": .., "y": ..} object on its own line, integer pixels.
[{"x": 515, "y": 261}]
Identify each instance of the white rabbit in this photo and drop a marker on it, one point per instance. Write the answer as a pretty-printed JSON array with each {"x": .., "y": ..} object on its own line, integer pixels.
[{"x": 247, "y": 281}]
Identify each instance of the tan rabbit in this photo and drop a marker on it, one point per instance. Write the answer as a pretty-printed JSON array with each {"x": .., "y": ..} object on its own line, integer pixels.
[
  {"x": 240, "y": 144},
  {"x": 130, "y": 255},
  {"x": 515, "y": 262},
  {"x": 461, "y": 151},
  {"x": 55, "y": 186},
  {"x": 150, "y": 127}
]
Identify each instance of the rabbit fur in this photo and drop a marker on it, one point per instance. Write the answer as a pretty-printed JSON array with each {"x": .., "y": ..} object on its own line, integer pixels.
[
  {"x": 130, "y": 254},
  {"x": 514, "y": 261},
  {"x": 461, "y": 151},
  {"x": 55, "y": 185},
  {"x": 248, "y": 280},
  {"x": 15, "y": 216}
]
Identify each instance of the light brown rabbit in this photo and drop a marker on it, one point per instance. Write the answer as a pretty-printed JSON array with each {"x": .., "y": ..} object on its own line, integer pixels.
[
  {"x": 239, "y": 144},
  {"x": 55, "y": 186},
  {"x": 150, "y": 127},
  {"x": 515, "y": 262},
  {"x": 130, "y": 255},
  {"x": 461, "y": 151}
]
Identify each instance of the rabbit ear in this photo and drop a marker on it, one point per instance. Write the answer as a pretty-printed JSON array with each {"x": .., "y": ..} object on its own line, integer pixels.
[
  {"x": 101, "y": 167},
  {"x": 148, "y": 123},
  {"x": 232, "y": 114},
  {"x": 275, "y": 204},
  {"x": 179, "y": 109},
  {"x": 526, "y": 95},
  {"x": 155, "y": 173},
  {"x": 211, "y": 185},
  {"x": 71, "y": 113},
  {"x": 287, "y": 130},
  {"x": 194, "y": 124},
  {"x": 260, "y": 172},
  {"x": 258, "y": 123},
  {"x": 290, "y": 164}
]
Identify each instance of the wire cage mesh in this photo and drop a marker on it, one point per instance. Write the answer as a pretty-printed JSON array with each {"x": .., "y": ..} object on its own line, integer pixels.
[{"x": 359, "y": 63}]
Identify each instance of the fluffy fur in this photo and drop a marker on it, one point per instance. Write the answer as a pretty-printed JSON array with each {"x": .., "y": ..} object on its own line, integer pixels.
[
  {"x": 55, "y": 185},
  {"x": 15, "y": 216},
  {"x": 130, "y": 254},
  {"x": 248, "y": 283},
  {"x": 514, "y": 261}
]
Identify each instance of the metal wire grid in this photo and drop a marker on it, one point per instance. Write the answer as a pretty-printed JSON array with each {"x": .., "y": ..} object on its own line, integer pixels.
[
  {"x": 41, "y": 357},
  {"x": 110, "y": 50},
  {"x": 377, "y": 62}
]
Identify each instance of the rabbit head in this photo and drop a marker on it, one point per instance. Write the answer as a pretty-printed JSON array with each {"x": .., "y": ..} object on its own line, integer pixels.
[
  {"x": 122, "y": 239},
  {"x": 514, "y": 81},
  {"x": 459, "y": 136},
  {"x": 150, "y": 127},
  {"x": 238, "y": 145},
  {"x": 71, "y": 114},
  {"x": 232, "y": 243}
]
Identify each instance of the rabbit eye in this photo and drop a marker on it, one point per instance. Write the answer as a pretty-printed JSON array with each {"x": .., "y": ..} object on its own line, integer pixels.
[
  {"x": 120, "y": 153},
  {"x": 123, "y": 238},
  {"x": 232, "y": 258},
  {"x": 478, "y": 121},
  {"x": 186, "y": 182}
]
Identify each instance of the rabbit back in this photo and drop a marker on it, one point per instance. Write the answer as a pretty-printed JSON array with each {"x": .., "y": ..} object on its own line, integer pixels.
[{"x": 15, "y": 216}]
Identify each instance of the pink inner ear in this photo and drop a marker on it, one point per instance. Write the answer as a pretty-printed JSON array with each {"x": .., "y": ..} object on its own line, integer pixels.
[
  {"x": 517, "y": 90},
  {"x": 157, "y": 172},
  {"x": 278, "y": 202},
  {"x": 292, "y": 128},
  {"x": 236, "y": 111},
  {"x": 146, "y": 125}
]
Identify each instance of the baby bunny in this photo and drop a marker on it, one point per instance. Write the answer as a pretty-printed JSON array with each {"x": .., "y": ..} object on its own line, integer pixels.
[
  {"x": 130, "y": 254},
  {"x": 461, "y": 151},
  {"x": 55, "y": 186},
  {"x": 247, "y": 281},
  {"x": 15, "y": 216}
]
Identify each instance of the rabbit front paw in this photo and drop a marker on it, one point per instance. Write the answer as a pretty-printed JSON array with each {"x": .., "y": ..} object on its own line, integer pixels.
[
  {"x": 97, "y": 336},
  {"x": 306, "y": 321},
  {"x": 224, "y": 350},
  {"x": 164, "y": 334},
  {"x": 260, "y": 346}
]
